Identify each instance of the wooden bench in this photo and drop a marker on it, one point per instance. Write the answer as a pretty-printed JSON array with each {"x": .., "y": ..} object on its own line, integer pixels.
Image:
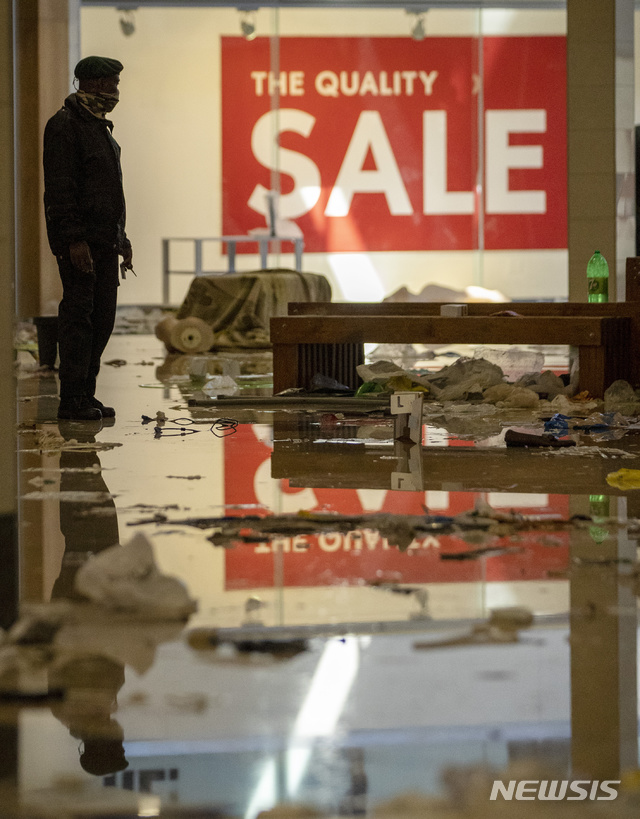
[
  {"x": 328, "y": 338},
  {"x": 608, "y": 344}
]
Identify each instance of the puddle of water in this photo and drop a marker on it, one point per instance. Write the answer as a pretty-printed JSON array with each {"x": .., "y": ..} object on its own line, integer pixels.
[{"x": 403, "y": 684}]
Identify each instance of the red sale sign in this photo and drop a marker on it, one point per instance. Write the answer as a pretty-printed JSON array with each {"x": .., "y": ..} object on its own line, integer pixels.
[{"x": 385, "y": 144}]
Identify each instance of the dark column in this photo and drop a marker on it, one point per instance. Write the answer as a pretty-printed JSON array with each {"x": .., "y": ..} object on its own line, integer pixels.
[
  {"x": 600, "y": 134},
  {"x": 604, "y": 653},
  {"x": 8, "y": 501}
]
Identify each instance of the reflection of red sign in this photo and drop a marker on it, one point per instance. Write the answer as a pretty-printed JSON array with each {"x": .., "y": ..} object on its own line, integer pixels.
[
  {"x": 362, "y": 554},
  {"x": 377, "y": 141}
]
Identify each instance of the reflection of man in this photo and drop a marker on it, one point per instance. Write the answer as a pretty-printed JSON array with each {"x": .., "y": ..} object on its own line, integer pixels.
[
  {"x": 90, "y": 681},
  {"x": 88, "y": 528},
  {"x": 91, "y": 684},
  {"x": 85, "y": 215}
]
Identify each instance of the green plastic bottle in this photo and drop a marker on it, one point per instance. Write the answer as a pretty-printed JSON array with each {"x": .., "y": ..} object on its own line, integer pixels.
[
  {"x": 599, "y": 509},
  {"x": 598, "y": 278}
]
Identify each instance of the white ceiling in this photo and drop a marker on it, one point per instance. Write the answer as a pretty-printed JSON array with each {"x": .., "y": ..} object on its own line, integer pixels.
[{"x": 422, "y": 4}]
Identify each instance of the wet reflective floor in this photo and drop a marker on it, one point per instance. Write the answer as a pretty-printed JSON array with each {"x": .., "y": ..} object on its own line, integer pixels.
[{"x": 363, "y": 626}]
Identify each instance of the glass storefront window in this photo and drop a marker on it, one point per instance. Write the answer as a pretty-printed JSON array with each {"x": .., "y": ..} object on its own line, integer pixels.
[{"x": 408, "y": 149}]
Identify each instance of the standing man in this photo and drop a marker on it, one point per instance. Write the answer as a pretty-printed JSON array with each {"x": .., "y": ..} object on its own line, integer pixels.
[{"x": 85, "y": 216}]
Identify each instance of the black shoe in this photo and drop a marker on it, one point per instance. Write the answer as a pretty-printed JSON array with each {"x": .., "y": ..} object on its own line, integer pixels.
[
  {"x": 106, "y": 412},
  {"x": 83, "y": 432},
  {"x": 78, "y": 409}
]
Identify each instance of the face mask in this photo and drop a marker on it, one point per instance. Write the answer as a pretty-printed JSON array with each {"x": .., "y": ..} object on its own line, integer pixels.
[
  {"x": 109, "y": 101},
  {"x": 99, "y": 103}
]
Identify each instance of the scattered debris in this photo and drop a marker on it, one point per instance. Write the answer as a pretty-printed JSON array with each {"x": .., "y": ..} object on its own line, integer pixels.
[
  {"x": 513, "y": 362},
  {"x": 70, "y": 496},
  {"x": 545, "y": 384},
  {"x": 38, "y": 623},
  {"x": 280, "y": 648},
  {"x": 511, "y": 396},
  {"x": 503, "y": 626},
  {"x": 474, "y": 554},
  {"x": 189, "y": 703},
  {"x": 40, "y": 481},
  {"x": 51, "y": 636},
  {"x": 389, "y": 377},
  {"x": 253, "y": 603},
  {"x": 177, "y": 431},
  {"x": 597, "y": 451},
  {"x": 621, "y": 397},
  {"x": 511, "y": 618},
  {"x": 23, "y": 673},
  {"x": 223, "y": 427},
  {"x": 465, "y": 378},
  {"x": 578, "y": 404},
  {"x": 121, "y": 637},
  {"x": 624, "y": 479},
  {"x": 152, "y": 506},
  {"x": 594, "y": 423},
  {"x": 127, "y": 578},
  {"x": 159, "y": 517},
  {"x": 96, "y": 469},
  {"x": 401, "y": 352},
  {"x": 526, "y": 439},
  {"x": 399, "y": 530},
  {"x": 420, "y": 594},
  {"x": 48, "y": 441},
  {"x": 220, "y": 385}
]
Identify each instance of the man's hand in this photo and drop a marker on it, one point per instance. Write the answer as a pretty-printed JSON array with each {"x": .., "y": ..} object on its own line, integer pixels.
[
  {"x": 80, "y": 256},
  {"x": 127, "y": 258}
]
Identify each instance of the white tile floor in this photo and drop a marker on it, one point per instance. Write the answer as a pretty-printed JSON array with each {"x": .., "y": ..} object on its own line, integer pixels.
[{"x": 353, "y": 722}]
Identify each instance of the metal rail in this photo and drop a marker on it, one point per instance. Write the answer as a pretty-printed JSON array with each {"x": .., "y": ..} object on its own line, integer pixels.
[{"x": 263, "y": 242}]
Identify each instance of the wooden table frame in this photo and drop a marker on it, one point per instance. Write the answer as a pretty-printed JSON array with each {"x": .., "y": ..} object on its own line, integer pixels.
[{"x": 328, "y": 337}]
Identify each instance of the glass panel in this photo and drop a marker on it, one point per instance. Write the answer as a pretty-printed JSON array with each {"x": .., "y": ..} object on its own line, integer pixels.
[{"x": 403, "y": 162}]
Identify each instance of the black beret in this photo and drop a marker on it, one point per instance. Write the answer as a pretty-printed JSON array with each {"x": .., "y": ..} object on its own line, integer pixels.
[
  {"x": 103, "y": 756},
  {"x": 93, "y": 68}
]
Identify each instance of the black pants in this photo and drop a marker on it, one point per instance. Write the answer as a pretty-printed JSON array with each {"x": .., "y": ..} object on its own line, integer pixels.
[
  {"x": 86, "y": 316},
  {"x": 83, "y": 535}
]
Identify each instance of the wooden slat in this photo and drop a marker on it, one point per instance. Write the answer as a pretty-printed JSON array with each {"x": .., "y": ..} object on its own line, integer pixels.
[
  {"x": 576, "y": 331},
  {"x": 532, "y": 308},
  {"x": 285, "y": 367},
  {"x": 630, "y": 308}
]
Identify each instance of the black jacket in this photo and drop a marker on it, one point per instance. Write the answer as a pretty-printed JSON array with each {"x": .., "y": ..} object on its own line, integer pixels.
[{"x": 83, "y": 194}]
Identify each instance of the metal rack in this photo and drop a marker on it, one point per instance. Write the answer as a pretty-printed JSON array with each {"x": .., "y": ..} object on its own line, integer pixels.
[{"x": 263, "y": 242}]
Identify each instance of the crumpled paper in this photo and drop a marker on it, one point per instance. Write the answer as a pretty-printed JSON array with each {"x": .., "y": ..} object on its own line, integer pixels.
[
  {"x": 508, "y": 395},
  {"x": 380, "y": 372},
  {"x": 127, "y": 578},
  {"x": 465, "y": 370}
]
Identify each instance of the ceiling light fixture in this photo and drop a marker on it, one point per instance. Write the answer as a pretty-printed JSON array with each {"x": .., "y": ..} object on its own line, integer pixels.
[
  {"x": 127, "y": 21},
  {"x": 418, "y": 30},
  {"x": 248, "y": 23}
]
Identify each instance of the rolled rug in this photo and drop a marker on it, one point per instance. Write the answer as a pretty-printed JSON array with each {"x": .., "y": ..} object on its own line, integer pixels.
[{"x": 191, "y": 335}]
